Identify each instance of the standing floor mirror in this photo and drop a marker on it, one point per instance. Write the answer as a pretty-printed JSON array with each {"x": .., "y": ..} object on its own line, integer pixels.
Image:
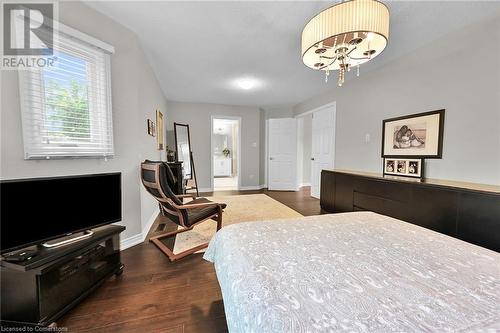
[{"x": 184, "y": 154}]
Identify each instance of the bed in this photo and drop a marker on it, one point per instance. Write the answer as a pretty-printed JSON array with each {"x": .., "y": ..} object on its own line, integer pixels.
[{"x": 360, "y": 272}]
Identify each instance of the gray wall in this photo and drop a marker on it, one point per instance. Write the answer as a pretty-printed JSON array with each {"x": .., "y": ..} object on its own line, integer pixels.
[
  {"x": 460, "y": 73},
  {"x": 136, "y": 94},
  {"x": 307, "y": 149},
  {"x": 278, "y": 112},
  {"x": 198, "y": 116}
]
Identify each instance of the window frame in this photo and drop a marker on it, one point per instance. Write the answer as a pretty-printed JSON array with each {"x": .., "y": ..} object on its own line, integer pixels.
[{"x": 26, "y": 81}]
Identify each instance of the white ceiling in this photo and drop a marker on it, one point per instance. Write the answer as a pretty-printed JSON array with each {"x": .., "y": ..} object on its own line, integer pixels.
[{"x": 198, "y": 49}]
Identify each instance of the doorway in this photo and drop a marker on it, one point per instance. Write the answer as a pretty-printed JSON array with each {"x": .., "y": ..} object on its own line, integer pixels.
[
  {"x": 225, "y": 153},
  {"x": 316, "y": 146},
  {"x": 304, "y": 150}
]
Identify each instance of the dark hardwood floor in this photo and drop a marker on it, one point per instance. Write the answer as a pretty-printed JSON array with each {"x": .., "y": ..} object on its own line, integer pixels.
[{"x": 155, "y": 295}]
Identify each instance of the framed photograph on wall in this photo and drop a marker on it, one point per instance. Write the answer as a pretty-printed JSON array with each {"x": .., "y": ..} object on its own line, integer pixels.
[
  {"x": 159, "y": 130},
  {"x": 415, "y": 136},
  {"x": 151, "y": 127},
  {"x": 404, "y": 167}
]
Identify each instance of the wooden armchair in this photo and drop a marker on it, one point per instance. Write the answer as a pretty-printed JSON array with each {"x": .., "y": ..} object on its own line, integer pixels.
[{"x": 158, "y": 180}]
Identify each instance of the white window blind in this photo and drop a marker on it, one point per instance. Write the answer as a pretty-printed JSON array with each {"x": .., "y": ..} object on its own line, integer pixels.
[{"x": 66, "y": 109}]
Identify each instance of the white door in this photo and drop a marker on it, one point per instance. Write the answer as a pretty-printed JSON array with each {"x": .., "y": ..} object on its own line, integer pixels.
[
  {"x": 282, "y": 154},
  {"x": 323, "y": 145}
]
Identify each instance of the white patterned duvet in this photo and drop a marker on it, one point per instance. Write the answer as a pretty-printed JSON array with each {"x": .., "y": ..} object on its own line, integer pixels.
[{"x": 353, "y": 272}]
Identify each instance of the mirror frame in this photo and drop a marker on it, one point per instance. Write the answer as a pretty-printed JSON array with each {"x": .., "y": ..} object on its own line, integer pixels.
[{"x": 189, "y": 144}]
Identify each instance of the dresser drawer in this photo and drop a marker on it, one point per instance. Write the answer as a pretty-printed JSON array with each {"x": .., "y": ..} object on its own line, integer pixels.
[
  {"x": 384, "y": 206},
  {"x": 379, "y": 188}
]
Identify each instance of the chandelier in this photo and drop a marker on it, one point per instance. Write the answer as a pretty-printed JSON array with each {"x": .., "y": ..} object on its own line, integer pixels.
[{"x": 345, "y": 35}]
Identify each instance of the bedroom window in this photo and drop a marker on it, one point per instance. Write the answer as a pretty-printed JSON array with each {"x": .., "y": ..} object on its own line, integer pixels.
[{"x": 66, "y": 109}]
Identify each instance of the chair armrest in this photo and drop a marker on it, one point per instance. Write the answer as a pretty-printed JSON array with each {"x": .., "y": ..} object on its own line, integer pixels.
[
  {"x": 199, "y": 205},
  {"x": 191, "y": 195}
]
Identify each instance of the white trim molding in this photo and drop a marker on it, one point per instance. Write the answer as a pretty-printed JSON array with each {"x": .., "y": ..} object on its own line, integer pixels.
[
  {"x": 316, "y": 109},
  {"x": 150, "y": 222},
  {"x": 67, "y": 30},
  {"x": 252, "y": 188},
  {"x": 131, "y": 241},
  {"x": 141, "y": 237}
]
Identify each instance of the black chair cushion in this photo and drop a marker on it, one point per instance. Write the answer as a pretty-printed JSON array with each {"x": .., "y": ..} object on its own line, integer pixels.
[{"x": 199, "y": 214}]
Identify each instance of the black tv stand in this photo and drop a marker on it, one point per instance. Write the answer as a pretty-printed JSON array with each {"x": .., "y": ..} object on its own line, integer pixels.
[{"x": 39, "y": 290}]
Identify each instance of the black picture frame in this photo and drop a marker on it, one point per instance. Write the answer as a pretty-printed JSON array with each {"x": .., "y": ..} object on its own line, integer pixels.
[
  {"x": 440, "y": 134},
  {"x": 407, "y": 174}
]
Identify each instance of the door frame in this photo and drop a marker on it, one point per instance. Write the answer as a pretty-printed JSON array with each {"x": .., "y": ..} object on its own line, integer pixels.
[
  {"x": 238, "y": 157},
  {"x": 305, "y": 113},
  {"x": 319, "y": 108},
  {"x": 266, "y": 154}
]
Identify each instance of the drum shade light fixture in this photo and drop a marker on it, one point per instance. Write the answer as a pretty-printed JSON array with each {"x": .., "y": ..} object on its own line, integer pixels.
[{"x": 347, "y": 34}]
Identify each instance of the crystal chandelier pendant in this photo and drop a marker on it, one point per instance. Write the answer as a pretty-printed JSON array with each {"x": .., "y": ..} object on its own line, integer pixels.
[
  {"x": 345, "y": 35},
  {"x": 341, "y": 77}
]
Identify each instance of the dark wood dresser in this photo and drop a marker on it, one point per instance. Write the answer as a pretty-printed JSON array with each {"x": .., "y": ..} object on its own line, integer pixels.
[{"x": 467, "y": 211}]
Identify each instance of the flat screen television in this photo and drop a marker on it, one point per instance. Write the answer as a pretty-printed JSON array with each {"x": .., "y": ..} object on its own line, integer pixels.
[{"x": 33, "y": 211}]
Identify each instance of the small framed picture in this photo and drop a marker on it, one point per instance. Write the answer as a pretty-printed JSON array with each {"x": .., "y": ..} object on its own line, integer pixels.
[
  {"x": 159, "y": 126},
  {"x": 390, "y": 166},
  {"x": 401, "y": 167},
  {"x": 151, "y": 127},
  {"x": 404, "y": 167}
]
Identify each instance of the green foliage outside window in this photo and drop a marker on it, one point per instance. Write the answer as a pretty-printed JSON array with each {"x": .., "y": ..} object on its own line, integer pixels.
[{"x": 68, "y": 110}]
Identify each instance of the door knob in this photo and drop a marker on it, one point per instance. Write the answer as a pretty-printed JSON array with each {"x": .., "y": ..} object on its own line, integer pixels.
[
  {"x": 312, "y": 158},
  {"x": 271, "y": 158}
]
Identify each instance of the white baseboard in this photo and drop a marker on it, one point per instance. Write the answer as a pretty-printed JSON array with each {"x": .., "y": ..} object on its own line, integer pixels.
[
  {"x": 242, "y": 188},
  {"x": 131, "y": 241},
  {"x": 252, "y": 188},
  {"x": 139, "y": 238},
  {"x": 305, "y": 184},
  {"x": 150, "y": 222}
]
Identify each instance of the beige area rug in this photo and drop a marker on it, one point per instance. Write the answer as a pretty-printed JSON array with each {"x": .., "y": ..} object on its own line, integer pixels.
[{"x": 240, "y": 208}]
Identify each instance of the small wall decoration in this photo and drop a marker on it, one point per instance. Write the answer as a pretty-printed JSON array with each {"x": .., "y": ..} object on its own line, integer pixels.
[
  {"x": 159, "y": 127},
  {"x": 404, "y": 167},
  {"x": 151, "y": 127},
  {"x": 418, "y": 135}
]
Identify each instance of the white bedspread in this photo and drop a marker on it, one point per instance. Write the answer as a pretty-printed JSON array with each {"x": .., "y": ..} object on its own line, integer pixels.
[{"x": 360, "y": 272}]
